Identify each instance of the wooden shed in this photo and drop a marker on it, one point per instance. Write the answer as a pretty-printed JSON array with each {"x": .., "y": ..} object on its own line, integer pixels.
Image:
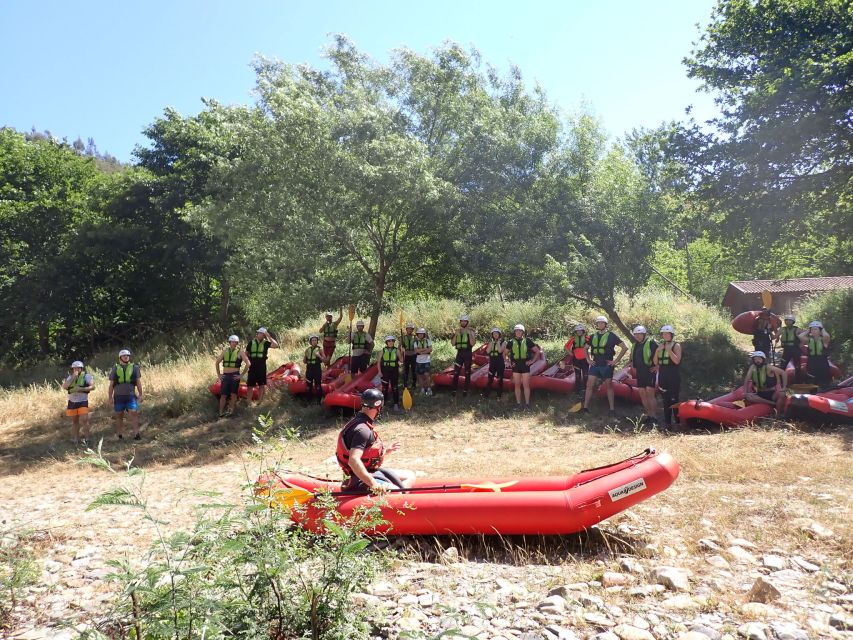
[{"x": 745, "y": 295}]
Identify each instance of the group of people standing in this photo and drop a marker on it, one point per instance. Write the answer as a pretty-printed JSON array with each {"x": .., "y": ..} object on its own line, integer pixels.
[{"x": 767, "y": 330}]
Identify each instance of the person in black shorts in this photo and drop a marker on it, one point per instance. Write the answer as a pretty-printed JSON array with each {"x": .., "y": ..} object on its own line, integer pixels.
[
  {"x": 522, "y": 352},
  {"x": 602, "y": 348},
  {"x": 788, "y": 336},
  {"x": 497, "y": 361},
  {"x": 642, "y": 359},
  {"x": 361, "y": 454},
  {"x": 257, "y": 351},
  {"x": 361, "y": 344},
  {"x": 314, "y": 357},
  {"x": 762, "y": 382},
  {"x": 668, "y": 361},
  {"x": 232, "y": 360},
  {"x": 389, "y": 369},
  {"x": 817, "y": 339},
  {"x": 464, "y": 339},
  {"x": 410, "y": 359},
  {"x": 576, "y": 349}
]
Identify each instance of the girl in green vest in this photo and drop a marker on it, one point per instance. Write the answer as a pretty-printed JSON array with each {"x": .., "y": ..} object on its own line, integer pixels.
[
  {"x": 817, "y": 339},
  {"x": 522, "y": 352},
  {"x": 390, "y": 359}
]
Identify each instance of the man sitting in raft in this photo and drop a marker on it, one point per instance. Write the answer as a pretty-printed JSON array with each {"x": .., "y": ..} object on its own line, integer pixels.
[
  {"x": 497, "y": 361},
  {"x": 642, "y": 359},
  {"x": 329, "y": 331},
  {"x": 576, "y": 350},
  {"x": 464, "y": 339},
  {"x": 522, "y": 352},
  {"x": 602, "y": 347},
  {"x": 817, "y": 366},
  {"x": 360, "y": 452},
  {"x": 762, "y": 382}
]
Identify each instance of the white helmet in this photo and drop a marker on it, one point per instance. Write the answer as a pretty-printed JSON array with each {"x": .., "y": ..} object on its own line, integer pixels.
[
  {"x": 601, "y": 319},
  {"x": 496, "y": 330},
  {"x": 390, "y": 337},
  {"x": 464, "y": 318},
  {"x": 124, "y": 352},
  {"x": 639, "y": 329},
  {"x": 359, "y": 323},
  {"x": 313, "y": 336},
  {"x": 410, "y": 325},
  {"x": 815, "y": 324},
  {"x": 421, "y": 330},
  {"x": 76, "y": 365},
  {"x": 232, "y": 339},
  {"x": 328, "y": 313},
  {"x": 790, "y": 317},
  {"x": 758, "y": 354},
  {"x": 580, "y": 327},
  {"x": 518, "y": 327},
  {"x": 667, "y": 328}
]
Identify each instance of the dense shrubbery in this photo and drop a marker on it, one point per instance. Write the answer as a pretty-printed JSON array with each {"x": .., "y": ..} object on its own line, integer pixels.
[{"x": 835, "y": 310}]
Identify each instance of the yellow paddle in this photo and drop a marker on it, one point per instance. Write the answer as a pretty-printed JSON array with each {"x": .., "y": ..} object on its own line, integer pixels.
[
  {"x": 290, "y": 496},
  {"x": 766, "y": 298},
  {"x": 407, "y": 396},
  {"x": 739, "y": 403},
  {"x": 351, "y": 314},
  {"x": 576, "y": 407}
]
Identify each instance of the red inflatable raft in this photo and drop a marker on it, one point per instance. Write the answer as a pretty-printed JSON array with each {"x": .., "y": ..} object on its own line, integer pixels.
[
  {"x": 835, "y": 405},
  {"x": 744, "y": 322},
  {"x": 722, "y": 411},
  {"x": 543, "y": 506},
  {"x": 624, "y": 387},
  {"x": 480, "y": 377},
  {"x": 333, "y": 377},
  {"x": 556, "y": 379},
  {"x": 348, "y": 396},
  {"x": 286, "y": 374},
  {"x": 478, "y": 359}
]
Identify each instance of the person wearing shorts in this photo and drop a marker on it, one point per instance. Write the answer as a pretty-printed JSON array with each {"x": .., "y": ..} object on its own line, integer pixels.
[
  {"x": 423, "y": 356},
  {"x": 522, "y": 352},
  {"x": 642, "y": 360},
  {"x": 314, "y": 357},
  {"x": 762, "y": 382},
  {"x": 464, "y": 339},
  {"x": 361, "y": 454},
  {"x": 232, "y": 360},
  {"x": 362, "y": 346},
  {"x": 497, "y": 361},
  {"x": 603, "y": 360},
  {"x": 257, "y": 352},
  {"x": 78, "y": 384},
  {"x": 125, "y": 393}
]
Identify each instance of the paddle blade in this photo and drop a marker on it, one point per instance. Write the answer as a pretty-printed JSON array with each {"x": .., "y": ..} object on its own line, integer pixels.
[
  {"x": 351, "y": 312},
  {"x": 489, "y": 486},
  {"x": 739, "y": 403},
  {"x": 347, "y": 378},
  {"x": 286, "y": 497},
  {"x": 407, "y": 399},
  {"x": 401, "y": 321},
  {"x": 766, "y": 298},
  {"x": 576, "y": 407}
]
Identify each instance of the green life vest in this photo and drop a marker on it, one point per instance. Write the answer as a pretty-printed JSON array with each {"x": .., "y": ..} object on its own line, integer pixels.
[
  {"x": 788, "y": 336},
  {"x": 330, "y": 331},
  {"x": 519, "y": 349},
  {"x": 579, "y": 342},
  {"x": 599, "y": 342},
  {"x": 494, "y": 347},
  {"x": 256, "y": 349},
  {"x": 78, "y": 383},
  {"x": 389, "y": 357},
  {"x": 359, "y": 340},
  {"x": 311, "y": 356},
  {"x": 647, "y": 352},
  {"x": 759, "y": 377},
  {"x": 230, "y": 357},
  {"x": 408, "y": 341},
  {"x": 815, "y": 346},
  {"x": 124, "y": 373},
  {"x": 463, "y": 340},
  {"x": 663, "y": 358}
]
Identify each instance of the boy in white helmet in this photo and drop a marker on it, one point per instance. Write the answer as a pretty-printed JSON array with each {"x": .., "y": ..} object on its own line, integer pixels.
[
  {"x": 362, "y": 347},
  {"x": 410, "y": 359},
  {"x": 314, "y": 358},
  {"x": 78, "y": 384},
  {"x": 788, "y": 336},
  {"x": 817, "y": 366},
  {"x": 389, "y": 368},
  {"x": 761, "y": 383},
  {"x": 668, "y": 361},
  {"x": 125, "y": 393},
  {"x": 603, "y": 360},
  {"x": 423, "y": 351},
  {"x": 522, "y": 352},
  {"x": 232, "y": 359},
  {"x": 464, "y": 339},
  {"x": 329, "y": 331},
  {"x": 497, "y": 361},
  {"x": 257, "y": 351}
]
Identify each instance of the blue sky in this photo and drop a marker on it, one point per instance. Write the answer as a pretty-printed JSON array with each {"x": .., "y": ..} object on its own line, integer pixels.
[{"x": 107, "y": 69}]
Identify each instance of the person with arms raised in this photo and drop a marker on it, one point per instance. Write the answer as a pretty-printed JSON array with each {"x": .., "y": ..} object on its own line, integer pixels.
[
  {"x": 668, "y": 361},
  {"x": 257, "y": 352},
  {"x": 817, "y": 339}
]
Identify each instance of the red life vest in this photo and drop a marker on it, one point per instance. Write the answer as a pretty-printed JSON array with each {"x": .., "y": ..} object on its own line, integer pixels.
[
  {"x": 579, "y": 346},
  {"x": 371, "y": 457}
]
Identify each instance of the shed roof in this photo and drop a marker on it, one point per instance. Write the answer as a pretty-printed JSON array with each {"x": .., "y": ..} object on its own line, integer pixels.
[{"x": 794, "y": 285}]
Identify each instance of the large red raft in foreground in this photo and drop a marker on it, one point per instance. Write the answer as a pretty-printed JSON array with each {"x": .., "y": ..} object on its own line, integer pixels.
[
  {"x": 535, "y": 506},
  {"x": 286, "y": 374}
]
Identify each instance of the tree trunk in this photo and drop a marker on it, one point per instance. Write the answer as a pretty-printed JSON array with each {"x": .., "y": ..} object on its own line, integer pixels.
[
  {"x": 376, "y": 307},
  {"x": 225, "y": 302},
  {"x": 689, "y": 268},
  {"x": 44, "y": 338},
  {"x": 615, "y": 319}
]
